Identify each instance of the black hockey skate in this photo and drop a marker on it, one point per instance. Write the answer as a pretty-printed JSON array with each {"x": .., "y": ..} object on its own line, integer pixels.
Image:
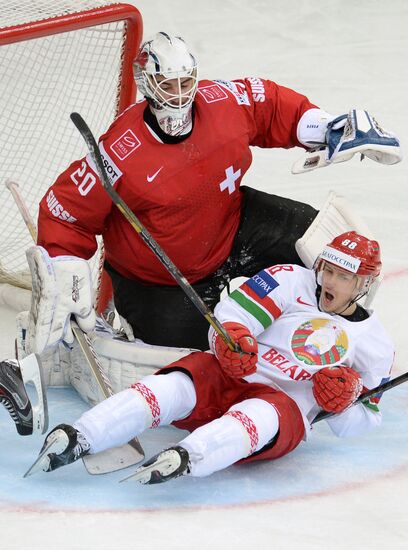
[
  {"x": 14, "y": 397},
  {"x": 168, "y": 464},
  {"x": 62, "y": 446}
]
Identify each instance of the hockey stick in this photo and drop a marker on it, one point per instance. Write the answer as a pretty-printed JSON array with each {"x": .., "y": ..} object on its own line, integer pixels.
[
  {"x": 110, "y": 460},
  {"x": 323, "y": 415},
  {"x": 146, "y": 236},
  {"x": 14, "y": 189}
]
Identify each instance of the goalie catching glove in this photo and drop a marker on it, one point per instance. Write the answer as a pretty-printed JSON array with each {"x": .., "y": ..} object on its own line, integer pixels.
[
  {"x": 361, "y": 134},
  {"x": 337, "y": 139},
  {"x": 336, "y": 388},
  {"x": 237, "y": 363},
  {"x": 62, "y": 286}
]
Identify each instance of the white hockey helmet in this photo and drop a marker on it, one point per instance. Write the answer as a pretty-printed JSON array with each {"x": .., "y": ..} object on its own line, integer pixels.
[{"x": 166, "y": 74}]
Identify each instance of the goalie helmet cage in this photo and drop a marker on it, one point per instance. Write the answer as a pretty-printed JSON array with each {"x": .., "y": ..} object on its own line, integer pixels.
[{"x": 56, "y": 57}]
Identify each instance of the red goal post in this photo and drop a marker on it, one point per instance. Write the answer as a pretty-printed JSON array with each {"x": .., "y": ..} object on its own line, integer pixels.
[{"x": 56, "y": 57}]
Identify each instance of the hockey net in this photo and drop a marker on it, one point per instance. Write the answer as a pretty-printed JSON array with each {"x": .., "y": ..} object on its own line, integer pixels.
[{"x": 56, "y": 57}]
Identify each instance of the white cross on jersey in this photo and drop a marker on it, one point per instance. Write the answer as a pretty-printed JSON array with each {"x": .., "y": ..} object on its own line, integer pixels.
[{"x": 229, "y": 182}]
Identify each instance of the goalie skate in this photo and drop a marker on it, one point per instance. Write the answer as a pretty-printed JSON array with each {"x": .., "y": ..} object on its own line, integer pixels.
[
  {"x": 168, "y": 464},
  {"x": 13, "y": 377},
  {"x": 62, "y": 446}
]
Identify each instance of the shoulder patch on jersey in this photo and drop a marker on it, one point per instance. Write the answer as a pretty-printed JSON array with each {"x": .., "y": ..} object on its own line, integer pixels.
[
  {"x": 237, "y": 89},
  {"x": 112, "y": 170},
  {"x": 125, "y": 145},
  {"x": 213, "y": 93},
  {"x": 262, "y": 283}
]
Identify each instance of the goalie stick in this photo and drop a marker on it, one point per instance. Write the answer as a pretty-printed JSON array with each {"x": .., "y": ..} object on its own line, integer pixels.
[
  {"x": 323, "y": 415},
  {"x": 110, "y": 460},
  {"x": 146, "y": 236}
]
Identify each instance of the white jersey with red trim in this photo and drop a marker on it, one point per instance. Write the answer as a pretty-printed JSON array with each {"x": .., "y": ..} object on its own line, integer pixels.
[{"x": 296, "y": 339}]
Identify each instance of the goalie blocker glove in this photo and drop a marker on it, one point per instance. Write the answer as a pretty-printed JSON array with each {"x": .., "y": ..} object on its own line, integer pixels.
[
  {"x": 336, "y": 388},
  {"x": 237, "y": 363}
]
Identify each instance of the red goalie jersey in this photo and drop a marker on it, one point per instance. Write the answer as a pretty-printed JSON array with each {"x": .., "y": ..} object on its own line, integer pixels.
[{"x": 185, "y": 193}]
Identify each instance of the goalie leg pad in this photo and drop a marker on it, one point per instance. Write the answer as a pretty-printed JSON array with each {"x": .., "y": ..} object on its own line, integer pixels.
[
  {"x": 124, "y": 362},
  {"x": 61, "y": 287}
]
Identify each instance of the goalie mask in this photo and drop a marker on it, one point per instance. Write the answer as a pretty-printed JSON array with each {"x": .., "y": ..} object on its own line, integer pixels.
[
  {"x": 354, "y": 254},
  {"x": 166, "y": 74}
]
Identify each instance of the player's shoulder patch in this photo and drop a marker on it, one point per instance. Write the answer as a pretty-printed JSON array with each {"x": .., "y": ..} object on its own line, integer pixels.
[
  {"x": 262, "y": 283},
  {"x": 125, "y": 144},
  {"x": 237, "y": 89},
  {"x": 212, "y": 92}
]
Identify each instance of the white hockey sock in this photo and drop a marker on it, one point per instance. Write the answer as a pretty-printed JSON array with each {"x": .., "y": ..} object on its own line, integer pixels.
[
  {"x": 175, "y": 395},
  {"x": 244, "y": 429},
  {"x": 152, "y": 401}
]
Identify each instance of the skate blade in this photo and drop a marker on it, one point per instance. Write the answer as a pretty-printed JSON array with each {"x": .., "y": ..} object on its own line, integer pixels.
[
  {"x": 31, "y": 371},
  {"x": 57, "y": 445},
  {"x": 113, "y": 460},
  {"x": 143, "y": 474}
]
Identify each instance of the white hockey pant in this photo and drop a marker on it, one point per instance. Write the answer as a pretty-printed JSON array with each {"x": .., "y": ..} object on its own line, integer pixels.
[
  {"x": 160, "y": 400},
  {"x": 155, "y": 400},
  {"x": 245, "y": 428}
]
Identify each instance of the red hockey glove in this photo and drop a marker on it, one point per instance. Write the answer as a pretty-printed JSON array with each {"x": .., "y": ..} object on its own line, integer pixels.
[
  {"x": 335, "y": 388},
  {"x": 237, "y": 364}
]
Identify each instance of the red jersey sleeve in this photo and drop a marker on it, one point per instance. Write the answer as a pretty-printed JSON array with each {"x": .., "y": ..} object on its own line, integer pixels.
[
  {"x": 274, "y": 112},
  {"x": 72, "y": 212}
]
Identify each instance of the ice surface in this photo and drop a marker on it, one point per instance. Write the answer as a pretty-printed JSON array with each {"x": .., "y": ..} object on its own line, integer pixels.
[{"x": 330, "y": 493}]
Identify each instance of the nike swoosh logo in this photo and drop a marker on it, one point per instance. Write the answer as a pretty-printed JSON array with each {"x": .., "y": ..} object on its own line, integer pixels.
[
  {"x": 300, "y": 301},
  {"x": 151, "y": 178}
]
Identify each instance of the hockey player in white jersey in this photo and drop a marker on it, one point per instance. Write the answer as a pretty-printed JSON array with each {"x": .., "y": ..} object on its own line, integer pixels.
[{"x": 307, "y": 346}]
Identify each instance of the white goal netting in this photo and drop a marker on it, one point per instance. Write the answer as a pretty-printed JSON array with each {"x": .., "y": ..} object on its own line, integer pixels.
[{"x": 56, "y": 57}]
